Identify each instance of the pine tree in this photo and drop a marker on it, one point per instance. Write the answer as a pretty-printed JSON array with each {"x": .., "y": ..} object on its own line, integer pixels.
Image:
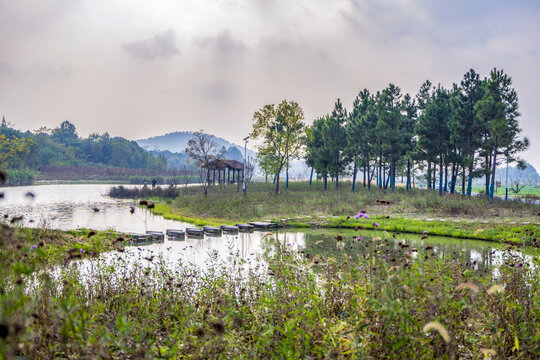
[{"x": 499, "y": 110}]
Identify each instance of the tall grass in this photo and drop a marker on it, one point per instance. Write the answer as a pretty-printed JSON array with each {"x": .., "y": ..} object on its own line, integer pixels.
[
  {"x": 122, "y": 192},
  {"x": 301, "y": 199},
  {"x": 385, "y": 304}
]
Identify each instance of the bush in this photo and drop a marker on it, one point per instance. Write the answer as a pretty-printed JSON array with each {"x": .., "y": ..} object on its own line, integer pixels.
[
  {"x": 20, "y": 177},
  {"x": 144, "y": 192}
]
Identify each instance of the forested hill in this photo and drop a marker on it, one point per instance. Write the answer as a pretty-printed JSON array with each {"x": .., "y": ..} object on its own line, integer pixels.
[{"x": 62, "y": 146}]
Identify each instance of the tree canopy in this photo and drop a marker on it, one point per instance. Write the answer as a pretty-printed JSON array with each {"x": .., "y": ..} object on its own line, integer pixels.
[
  {"x": 459, "y": 132},
  {"x": 62, "y": 146},
  {"x": 281, "y": 129}
]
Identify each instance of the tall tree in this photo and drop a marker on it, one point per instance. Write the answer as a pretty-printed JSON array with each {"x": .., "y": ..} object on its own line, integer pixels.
[
  {"x": 316, "y": 151},
  {"x": 361, "y": 135},
  {"x": 390, "y": 127},
  {"x": 410, "y": 113},
  {"x": 335, "y": 141},
  {"x": 499, "y": 110},
  {"x": 281, "y": 129},
  {"x": 432, "y": 130},
  {"x": 467, "y": 128}
]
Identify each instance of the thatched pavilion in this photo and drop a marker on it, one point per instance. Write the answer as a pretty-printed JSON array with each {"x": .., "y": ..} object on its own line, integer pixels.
[{"x": 220, "y": 166}]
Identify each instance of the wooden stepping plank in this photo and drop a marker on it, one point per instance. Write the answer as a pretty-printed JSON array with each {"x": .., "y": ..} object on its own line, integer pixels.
[
  {"x": 229, "y": 228},
  {"x": 211, "y": 229},
  {"x": 195, "y": 232}
]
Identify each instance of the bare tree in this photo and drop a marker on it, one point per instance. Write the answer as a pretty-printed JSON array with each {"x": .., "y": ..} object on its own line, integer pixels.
[
  {"x": 203, "y": 150},
  {"x": 517, "y": 185}
]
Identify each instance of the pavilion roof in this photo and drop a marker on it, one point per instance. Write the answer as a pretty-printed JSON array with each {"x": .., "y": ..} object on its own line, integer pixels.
[{"x": 222, "y": 164}]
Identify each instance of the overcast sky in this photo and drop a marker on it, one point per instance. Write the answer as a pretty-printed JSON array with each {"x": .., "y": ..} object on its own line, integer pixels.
[{"x": 138, "y": 68}]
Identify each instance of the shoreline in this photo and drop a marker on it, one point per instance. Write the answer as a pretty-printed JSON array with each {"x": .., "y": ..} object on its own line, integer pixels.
[{"x": 506, "y": 232}]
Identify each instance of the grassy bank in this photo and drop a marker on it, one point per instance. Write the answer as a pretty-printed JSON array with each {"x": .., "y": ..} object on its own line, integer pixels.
[
  {"x": 400, "y": 211},
  {"x": 386, "y": 304},
  {"x": 28, "y": 247}
]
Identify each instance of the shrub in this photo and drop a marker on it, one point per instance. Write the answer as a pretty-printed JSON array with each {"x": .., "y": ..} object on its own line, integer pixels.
[{"x": 19, "y": 177}]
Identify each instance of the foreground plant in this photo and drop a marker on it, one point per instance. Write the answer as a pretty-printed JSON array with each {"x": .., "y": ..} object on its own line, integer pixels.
[{"x": 392, "y": 301}]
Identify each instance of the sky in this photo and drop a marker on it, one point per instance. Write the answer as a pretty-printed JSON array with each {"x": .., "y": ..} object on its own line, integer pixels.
[{"x": 138, "y": 68}]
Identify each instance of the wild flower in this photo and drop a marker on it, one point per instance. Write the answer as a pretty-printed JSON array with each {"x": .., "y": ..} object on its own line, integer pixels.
[
  {"x": 358, "y": 216},
  {"x": 375, "y": 224},
  {"x": 359, "y": 238},
  {"x": 435, "y": 325},
  {"x": 366, "y": 216},
  {"x": 488, "y": 353},
  {"x": 34, "y": 246},
  {"x": 425, "y": 232},
  {"x": 495, "y": 288},
  {"x": 81, "y": 251},
  {"x": 469, "y": 286},
  {"x": 518, "y": 265}
]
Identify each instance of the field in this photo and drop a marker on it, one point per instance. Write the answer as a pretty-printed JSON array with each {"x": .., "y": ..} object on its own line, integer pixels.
[{"x": 532, "y": 191}]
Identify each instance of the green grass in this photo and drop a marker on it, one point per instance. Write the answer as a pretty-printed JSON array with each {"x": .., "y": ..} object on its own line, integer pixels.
[
  {"x": 301, "y": 200},
  {"x": 398, "y": 211},
  {"x": 529, "y": 190},
  {"x": 291, "y": 305}
]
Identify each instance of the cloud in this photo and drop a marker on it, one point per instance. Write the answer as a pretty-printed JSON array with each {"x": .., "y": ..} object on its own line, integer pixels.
[
  {"x": 161, "y": 45},
  {"x": 49, "y": 69},
  {"x": 224, "y": 43},
  {"x": 216, "y": 91},
  {"x": 6, "y": 68}
]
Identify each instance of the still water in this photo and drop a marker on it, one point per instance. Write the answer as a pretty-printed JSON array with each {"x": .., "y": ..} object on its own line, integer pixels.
[{"x": 69, "y": 207}]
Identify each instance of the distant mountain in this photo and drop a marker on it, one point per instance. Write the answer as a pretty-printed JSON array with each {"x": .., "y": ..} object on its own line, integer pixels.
[
  {"x": 528, "y": 176},
  {"x": 173, "y": 146},
  {"x": 177, "y": 142}
]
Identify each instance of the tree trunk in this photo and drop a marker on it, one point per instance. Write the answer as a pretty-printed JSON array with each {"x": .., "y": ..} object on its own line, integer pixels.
[
  {"x": 428, "y": 175},
  {"x": 379, "y": 178},
  {"x": 370, "y": 177},
  {"x": 337, "y": 180},
  {"x": 408, "y": 187},
  {"x": 354, "y": 175},
  {"x": 277, "y": 181},
  {"x": 487, "y": 174},
  {"x": 386, "y": 182},
  {"x": 384, "y": 175},
  {"x": 493, "y": 168},
  {"x": 287, "y": 175},
  {"x": 364, "y": 174},
  {"x": 325, "y": 181},
  {"x": 464, "y": 176},
  {"x": 445, "y": 177},
  {"x": 441, "y": 171},
  {"x": 453, "y": 177},
  {"x": 392, "y": 172},
  {"x": 311, "y": 176},
  {"x": 469, "y": 178}
]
